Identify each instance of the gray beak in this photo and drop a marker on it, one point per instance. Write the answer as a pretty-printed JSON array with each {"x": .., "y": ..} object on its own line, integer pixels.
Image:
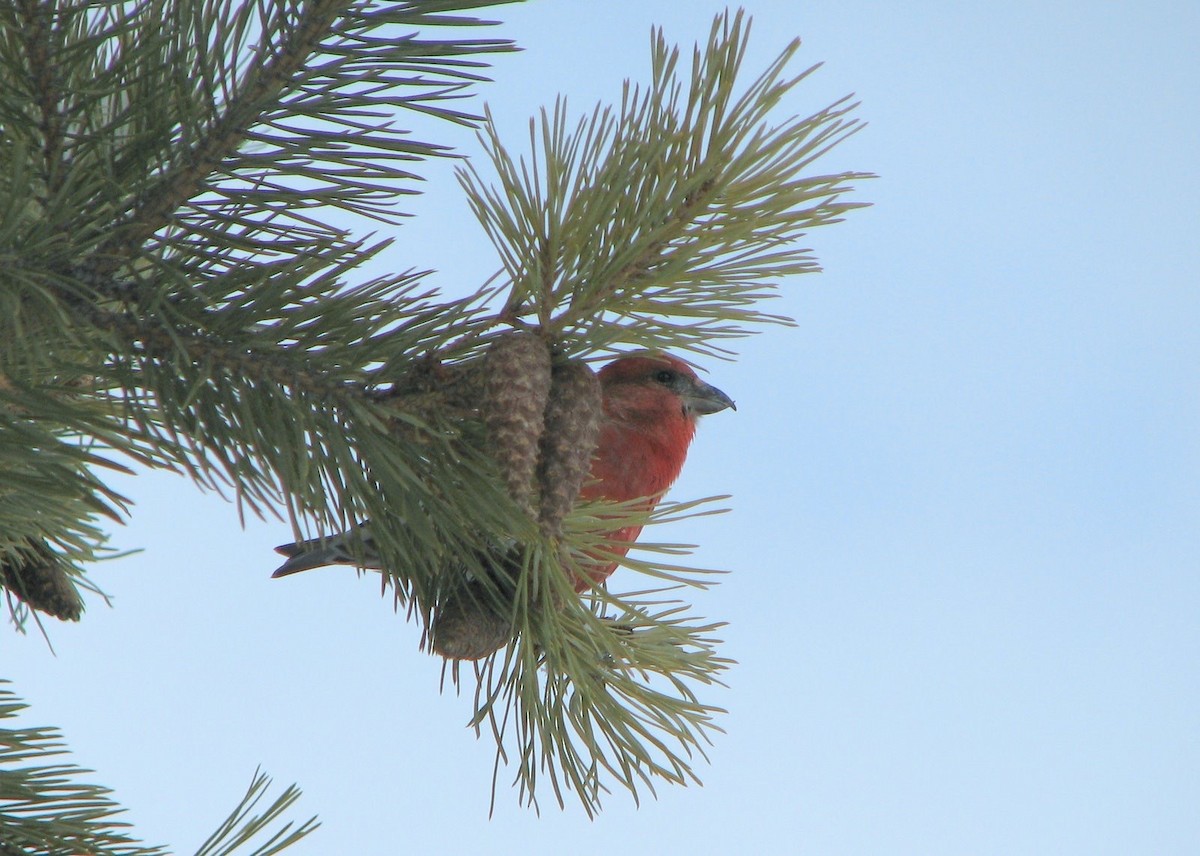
[{"x": 703, "y": 399}]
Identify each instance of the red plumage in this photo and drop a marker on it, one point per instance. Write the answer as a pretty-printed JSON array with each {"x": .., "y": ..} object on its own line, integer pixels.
[{"x": 651, "y": 404}]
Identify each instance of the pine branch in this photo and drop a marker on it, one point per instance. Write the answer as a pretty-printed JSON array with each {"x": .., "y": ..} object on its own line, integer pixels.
[
  {"x": 300, "y": 27},
  {"x": 45, "y": 809},
  {"x": 225, "y": 119},
  {"x": 604, "y": 691},
  {"x": 663, "y": 224},
  {"x": 52, "y": 496},
  {"x": 175, "y": 293},
  {"x": 36, "y": 32},
  {"x": 231, "y": 315},
  {"x": 241, "y": 827}
]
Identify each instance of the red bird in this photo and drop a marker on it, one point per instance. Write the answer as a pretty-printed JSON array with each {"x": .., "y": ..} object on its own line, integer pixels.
[{"x": 651, "y": 404}]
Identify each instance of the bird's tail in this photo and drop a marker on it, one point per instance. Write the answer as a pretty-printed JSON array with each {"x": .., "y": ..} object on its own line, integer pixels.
[
  {"x": 301, "y": 556},
  {"x": 319, "y": 552}
]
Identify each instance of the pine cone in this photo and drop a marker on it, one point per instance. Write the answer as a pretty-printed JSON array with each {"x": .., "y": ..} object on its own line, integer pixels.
[
  {"x": 572, "y": 426},
  {"x": 516, "y": 386},
  {"x": 37, "y": 577}
]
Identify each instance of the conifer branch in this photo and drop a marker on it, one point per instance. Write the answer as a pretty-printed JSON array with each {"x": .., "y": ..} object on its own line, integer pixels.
[
  {"x": 37, "y": 30},
  {"x": 46, "y": 810},
  {"x": 173, "y": 290},
  {"x": 663, "y": 224},
  {"x": 272, "y": 69}
]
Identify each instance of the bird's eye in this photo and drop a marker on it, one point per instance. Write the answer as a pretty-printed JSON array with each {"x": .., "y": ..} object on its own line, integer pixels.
[{"x": 665, "y": 376}]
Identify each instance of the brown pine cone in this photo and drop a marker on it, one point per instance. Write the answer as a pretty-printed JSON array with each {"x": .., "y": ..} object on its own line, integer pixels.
[
  {"x": 37, "y": 576},
  {"x": 516, "y": 386},
  {"x": 572, "y": 427}
]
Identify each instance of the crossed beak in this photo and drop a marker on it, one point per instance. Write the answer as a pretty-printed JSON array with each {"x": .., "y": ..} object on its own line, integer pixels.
[{"x": 704, "y": 399}]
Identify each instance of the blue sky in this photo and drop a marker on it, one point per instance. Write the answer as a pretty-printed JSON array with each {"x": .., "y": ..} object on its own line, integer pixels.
[{"x": 965, "y": 588}]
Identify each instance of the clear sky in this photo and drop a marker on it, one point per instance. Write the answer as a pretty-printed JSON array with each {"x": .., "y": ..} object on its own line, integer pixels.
[{"x": 965, "y": 588}]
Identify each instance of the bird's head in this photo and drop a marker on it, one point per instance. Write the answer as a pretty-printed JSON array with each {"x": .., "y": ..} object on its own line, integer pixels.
[
  {"x": 651, "y": 404},
  {"x": 649, "y": 386}
]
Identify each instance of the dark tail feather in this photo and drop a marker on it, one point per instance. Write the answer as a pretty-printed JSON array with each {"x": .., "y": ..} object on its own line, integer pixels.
[
  {"x": 301, "y": 556},
  {"x": 318, "y": 552}
]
